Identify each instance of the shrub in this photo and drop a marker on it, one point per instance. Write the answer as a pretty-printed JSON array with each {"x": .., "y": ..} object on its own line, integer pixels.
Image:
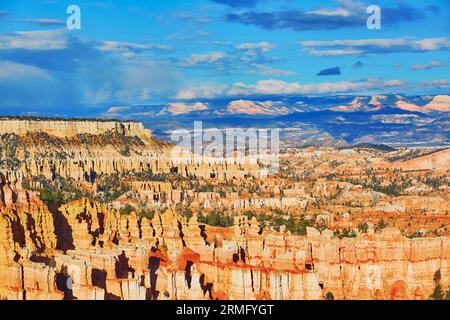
[
  {"x": 51, "y": 197},
  {"x": 346, "y": 233},
  {"x": 380, "y": 225},
  {"x": 187, "y": 213},
  {"x": 216, "y": 219},
  {"x": 297, "y": 226},
  {"x": 125, "y": 151},
  {"x": 437, "y": 276},
  {"x": 416, "y": 234},
  {"x": 438, "y": 293},
  {"x": 363, "y": 227},
  {"x": 146, "y": 213},
  {"x": 52, "y": 263},
  {"x": 329, "y": 296},
  {"x": 126, "y": 210},
  {"x": 249, "y": 214}
]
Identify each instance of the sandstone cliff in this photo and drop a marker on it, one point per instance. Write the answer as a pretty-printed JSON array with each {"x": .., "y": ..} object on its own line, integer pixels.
[
  {"x": 67, "y": 128},
  {"x": 93, "y": 249},
  {"x": 84, "y": 250}
]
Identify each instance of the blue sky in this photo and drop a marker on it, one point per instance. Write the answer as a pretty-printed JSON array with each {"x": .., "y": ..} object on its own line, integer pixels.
[{"x": 154, "y": 52}]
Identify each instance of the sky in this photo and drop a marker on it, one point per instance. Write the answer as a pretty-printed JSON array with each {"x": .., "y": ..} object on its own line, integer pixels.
[{"x": 156, "y": 52}]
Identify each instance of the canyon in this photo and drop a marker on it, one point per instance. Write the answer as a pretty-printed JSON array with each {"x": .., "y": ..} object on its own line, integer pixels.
[{"x": 96, "y": 210}]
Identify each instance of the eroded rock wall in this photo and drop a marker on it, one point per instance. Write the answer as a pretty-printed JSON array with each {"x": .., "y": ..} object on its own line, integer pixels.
[{"x": 104, "y": 255}]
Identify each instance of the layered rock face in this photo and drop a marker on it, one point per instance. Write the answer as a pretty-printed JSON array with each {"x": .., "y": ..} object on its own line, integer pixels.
[
  {"x": 84, "y": 250},
  {"x": 68, "y": 128},
  {"x": 148, "y": 236}
]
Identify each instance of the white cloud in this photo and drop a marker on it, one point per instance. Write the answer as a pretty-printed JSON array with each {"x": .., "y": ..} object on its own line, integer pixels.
[
  {"x": 252, "y": 48},
  {"x": 437, "y": 84},
  {"x": 278, "y": 87},
  {"x": 115, "y": 46},
  {"x": 374, "y": 46},
  {"x": 208, "y": 57},
  {"x": 269, "y": 71},
  {"x": 34, "y": 40},
  {"x": 428, "y": 66},
  {"x": 11, "y": 71},
  {"x": 332, "y": 13},
  {"x": 333, "y": 53},
  {"x": 46, "y": 21},
  {"x": 208, "y": 92}
]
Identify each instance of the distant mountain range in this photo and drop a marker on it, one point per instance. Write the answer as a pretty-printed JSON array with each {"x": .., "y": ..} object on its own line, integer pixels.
[{"x": 342, "y": 120}]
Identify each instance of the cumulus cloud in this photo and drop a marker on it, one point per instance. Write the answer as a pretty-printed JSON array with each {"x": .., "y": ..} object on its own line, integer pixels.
[
  {"x": 208, "y": 57},
  {"x": 436, "y": 84},
  {"x": 428, "y": 66},
  {"x": 269, "y": 71},
  {"x": 45, "y": 22},
  {"x": 351, "y": 14},
  {"x": 339, "y": 12},
  {"x": 116, "y": 46},
  {"x": 90, "y": 76},
  {"x": 207, "y": 91},
  {"x": 25, "y": 88},
  {"x": 129, "y": 50},
  {"x": 15, "y": 71},
  {"x": 34, "y": 40},
  {"x": 278, "y": 87},
  {"x": 373, "y": 46},
  {"x": 253, "y": 48},
  {"x": 296, "y": 20},
  {"x": 128, "y": 82}
]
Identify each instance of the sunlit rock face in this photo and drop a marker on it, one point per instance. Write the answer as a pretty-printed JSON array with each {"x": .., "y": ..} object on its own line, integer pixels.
[
  {"x": 89, "y": 247},
  {"x": 104, "y": 255},
  {"x": 70, "y": 128}
]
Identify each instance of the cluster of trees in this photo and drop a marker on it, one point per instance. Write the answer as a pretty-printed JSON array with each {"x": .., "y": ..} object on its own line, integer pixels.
[
  {"x": 416, "y": 234},
  {"x": 380, "y": 225},
  {"x": 329, "y": 296},
  {"x": 395, "y": 188},
  {"x": 150, "y": 176},
  {"x": 216, "y": 218},
  {"x": 345, "y": 233},
  {"x": 363, "y": 227},
  {"x": 294, "y": 224},
  {"x": 126, "y": 210},
  {"x": 62, "y": 190},
  {"x": 146, "y": 213},
  {"x": 9, "y": 142},
  {"x": 110, "y": 187},
  {"x": 56, "y": 192},
  {"x": 438, "y": 292},
  {"x": 435, "y": 182}
]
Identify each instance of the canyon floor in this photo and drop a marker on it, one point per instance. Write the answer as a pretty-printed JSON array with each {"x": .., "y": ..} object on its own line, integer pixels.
[{"x": 101, "y": 210}]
